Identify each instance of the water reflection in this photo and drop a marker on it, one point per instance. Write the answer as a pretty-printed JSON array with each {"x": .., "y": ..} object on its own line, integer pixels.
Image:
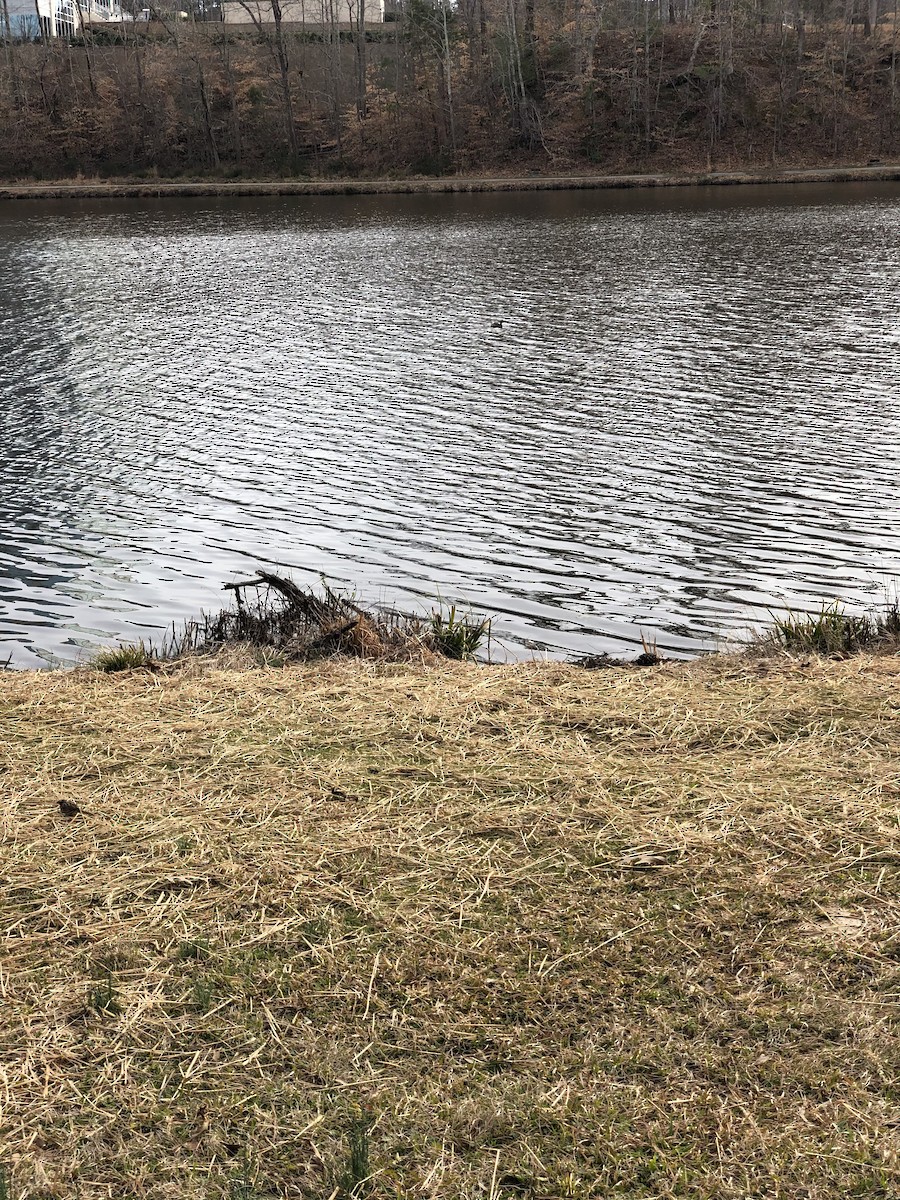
[{"x": 688, "y": 413}]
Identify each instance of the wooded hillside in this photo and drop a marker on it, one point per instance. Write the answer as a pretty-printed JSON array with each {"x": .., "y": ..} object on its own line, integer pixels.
[{"x": 483, "y": 84}]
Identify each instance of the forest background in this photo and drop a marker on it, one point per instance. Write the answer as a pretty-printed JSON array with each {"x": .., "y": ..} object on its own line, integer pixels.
[{"x": 498, "y": 86}]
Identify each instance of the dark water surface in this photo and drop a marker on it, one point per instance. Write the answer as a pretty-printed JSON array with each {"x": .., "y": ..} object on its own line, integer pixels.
[{"x": 690, "y": 414}]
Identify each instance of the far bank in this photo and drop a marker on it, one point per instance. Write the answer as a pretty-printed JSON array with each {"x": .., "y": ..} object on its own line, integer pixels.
[{"x": 75, "y": 189}]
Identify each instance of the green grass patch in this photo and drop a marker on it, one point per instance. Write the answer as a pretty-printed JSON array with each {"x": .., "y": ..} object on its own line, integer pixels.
[
  {"x": 834, "y": 632},
  {"x": 123, "y": 658},
  {"x": 458, "y": 635}
]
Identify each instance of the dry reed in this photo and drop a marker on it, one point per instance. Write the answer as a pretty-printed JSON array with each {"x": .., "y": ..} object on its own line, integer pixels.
[{"x": 522, "y": 931}]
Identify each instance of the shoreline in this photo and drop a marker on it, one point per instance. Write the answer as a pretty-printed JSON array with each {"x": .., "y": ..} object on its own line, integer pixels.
[
  {"x": 293, "y": 627},
  {"x": 157, "y": 189}
]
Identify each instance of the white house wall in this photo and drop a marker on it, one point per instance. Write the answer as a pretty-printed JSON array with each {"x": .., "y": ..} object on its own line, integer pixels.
[
  {"x": 57, "y": 18},
  {"x": 303, "y": 12}
]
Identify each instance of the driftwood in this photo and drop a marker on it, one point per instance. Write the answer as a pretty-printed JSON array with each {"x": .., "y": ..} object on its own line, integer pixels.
[{"x": 299, "y": 623}]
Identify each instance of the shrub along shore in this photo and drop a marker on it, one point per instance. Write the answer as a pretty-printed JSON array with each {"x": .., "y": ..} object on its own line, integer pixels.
[
  {"x": 106, "y": 189},
  {"x": 430, "y": 928}
]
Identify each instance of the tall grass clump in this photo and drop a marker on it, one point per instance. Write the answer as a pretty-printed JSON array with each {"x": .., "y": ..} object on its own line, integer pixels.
[
  {"x": 357, "y": 1170},
  {"x": 458, "y": 635},
  {"x": 833, "y": 631},
  {"x": 102, "y": 996},
  {"x": 123, "y": 658}
]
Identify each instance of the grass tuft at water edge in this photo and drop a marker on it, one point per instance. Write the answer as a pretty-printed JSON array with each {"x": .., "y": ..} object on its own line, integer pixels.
[{"x": 833, "y": 631}]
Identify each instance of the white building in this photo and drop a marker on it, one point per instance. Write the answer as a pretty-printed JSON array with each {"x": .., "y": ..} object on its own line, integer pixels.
[
  {"x": 316, "y": 13},
  {"x": 55, "y": 18}
]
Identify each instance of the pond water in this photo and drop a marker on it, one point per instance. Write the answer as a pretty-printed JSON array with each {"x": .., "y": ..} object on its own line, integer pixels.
[{"x": 591, "y": 415}]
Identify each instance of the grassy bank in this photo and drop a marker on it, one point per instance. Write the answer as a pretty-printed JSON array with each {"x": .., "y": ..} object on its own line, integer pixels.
[
  {"x": 499, "y": 932},
  {"x": 102, "y": 189}
]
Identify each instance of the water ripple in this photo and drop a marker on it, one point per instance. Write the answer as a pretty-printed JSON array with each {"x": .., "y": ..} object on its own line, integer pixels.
[{"x": 688, "y": 415}]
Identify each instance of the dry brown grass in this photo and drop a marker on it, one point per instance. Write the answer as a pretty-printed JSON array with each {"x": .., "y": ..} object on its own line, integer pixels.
[{"x": 553, "y": 933}]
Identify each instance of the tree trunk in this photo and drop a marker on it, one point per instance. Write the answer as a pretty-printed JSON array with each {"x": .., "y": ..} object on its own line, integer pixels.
[
  {"x": 284, "y": 68},
  {"x": 232, "y": 98},
  {"x": 359, "y": 30},
  {"x": 448, "y": 83},
  {"x": 10, "y": 53},
  {"x": 207, "y": 115}
]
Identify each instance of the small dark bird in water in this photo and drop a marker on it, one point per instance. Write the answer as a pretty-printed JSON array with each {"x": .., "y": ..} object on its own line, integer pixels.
[
  {"x": 68, "y": 809},
  {"x": 496, "y": 324}
]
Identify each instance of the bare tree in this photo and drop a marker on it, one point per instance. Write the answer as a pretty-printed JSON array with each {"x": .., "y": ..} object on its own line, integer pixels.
[{"x": 279, "y": 51}]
